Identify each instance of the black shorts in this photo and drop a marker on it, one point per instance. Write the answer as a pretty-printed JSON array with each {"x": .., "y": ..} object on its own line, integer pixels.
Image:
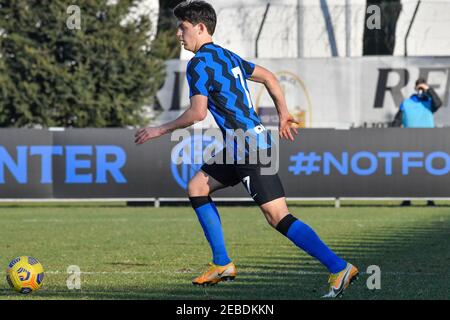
[{"x": 262, "y": 188}]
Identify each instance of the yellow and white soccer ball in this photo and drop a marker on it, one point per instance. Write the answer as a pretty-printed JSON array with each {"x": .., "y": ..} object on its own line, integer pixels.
[{"x": 25, "y": 274}]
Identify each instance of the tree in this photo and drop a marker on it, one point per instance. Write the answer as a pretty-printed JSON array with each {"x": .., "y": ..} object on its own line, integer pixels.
[
  {"x": 100, "y": 75},
  {"x": 166, "y": 45}
]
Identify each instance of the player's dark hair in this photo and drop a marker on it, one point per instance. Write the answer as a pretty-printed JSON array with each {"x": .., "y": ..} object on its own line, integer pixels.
[{"x": 195, "y": 12}]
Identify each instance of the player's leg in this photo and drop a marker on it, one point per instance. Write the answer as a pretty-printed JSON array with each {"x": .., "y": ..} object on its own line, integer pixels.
[
  {"x": 199, "y": 189},
  {"x": 268, "y": 193},
  {"x": 304, "y": 237},
  {"x": 277, "y": 214},
  {"x": 202, "y": 184}
]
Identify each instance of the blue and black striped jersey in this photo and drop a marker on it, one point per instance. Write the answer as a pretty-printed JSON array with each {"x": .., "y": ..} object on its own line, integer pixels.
[{"x": 221, "y": 75}]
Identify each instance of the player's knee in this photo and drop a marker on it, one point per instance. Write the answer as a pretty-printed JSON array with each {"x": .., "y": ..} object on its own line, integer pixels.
[
  {"x": 196, "y": 189},
  {"x": 272, "y": 222},
  {"x": 273, "y": 217}
]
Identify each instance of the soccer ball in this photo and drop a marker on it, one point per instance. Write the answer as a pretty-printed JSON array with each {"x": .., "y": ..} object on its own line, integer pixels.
[{"x": 25, "y": 274}]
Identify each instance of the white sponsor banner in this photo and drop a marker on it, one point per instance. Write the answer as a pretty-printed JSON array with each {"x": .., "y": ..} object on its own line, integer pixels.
[{"x": 328, "y": 92}]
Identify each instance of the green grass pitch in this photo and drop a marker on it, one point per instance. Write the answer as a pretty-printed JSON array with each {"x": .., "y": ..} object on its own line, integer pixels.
[{"x": 153, "y": 253}]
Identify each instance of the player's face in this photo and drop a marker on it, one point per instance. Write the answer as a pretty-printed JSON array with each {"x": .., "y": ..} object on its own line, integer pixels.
[{"x": 187, "y": 34}]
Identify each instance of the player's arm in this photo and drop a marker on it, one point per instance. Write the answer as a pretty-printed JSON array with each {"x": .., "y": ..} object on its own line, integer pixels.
[
  {"x": 196, "y": 112},
  {"x": 272, "y": 85}
]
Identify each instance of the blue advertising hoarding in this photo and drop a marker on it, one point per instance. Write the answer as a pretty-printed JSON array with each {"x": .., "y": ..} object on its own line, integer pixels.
[{"x": 105, "y": 163}]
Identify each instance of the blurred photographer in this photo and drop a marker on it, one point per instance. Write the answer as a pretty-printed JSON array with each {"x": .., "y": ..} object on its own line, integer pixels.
[{"x": 417, "y": 112}]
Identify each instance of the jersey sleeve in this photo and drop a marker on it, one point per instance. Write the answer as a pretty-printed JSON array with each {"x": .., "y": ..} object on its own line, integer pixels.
[
  {"x": 197, "y": 77},
  {"x": 246, "y": 66}
]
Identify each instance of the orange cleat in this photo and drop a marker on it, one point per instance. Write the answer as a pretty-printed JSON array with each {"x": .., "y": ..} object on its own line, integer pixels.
[
  {"x": 341, "y": 280},
  {"x": 215, "y": 274}
]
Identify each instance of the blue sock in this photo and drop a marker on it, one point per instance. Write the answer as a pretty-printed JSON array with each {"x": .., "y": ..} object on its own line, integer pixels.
[
  {"x": 210, "y": 220},
  {"x": 305, "y": 238}
]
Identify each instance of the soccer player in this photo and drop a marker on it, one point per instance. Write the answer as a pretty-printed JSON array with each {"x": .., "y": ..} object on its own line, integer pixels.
[{"x": 217, "y": 81}]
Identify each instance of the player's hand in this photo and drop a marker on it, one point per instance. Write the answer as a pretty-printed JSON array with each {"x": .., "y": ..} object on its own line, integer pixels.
[
  {"x": 286, "y": 124},
  {"x": 145, "y": 134}
]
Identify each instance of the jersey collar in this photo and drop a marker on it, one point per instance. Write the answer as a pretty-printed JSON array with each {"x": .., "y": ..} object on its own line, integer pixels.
[{"x": 203, "y": 45}]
